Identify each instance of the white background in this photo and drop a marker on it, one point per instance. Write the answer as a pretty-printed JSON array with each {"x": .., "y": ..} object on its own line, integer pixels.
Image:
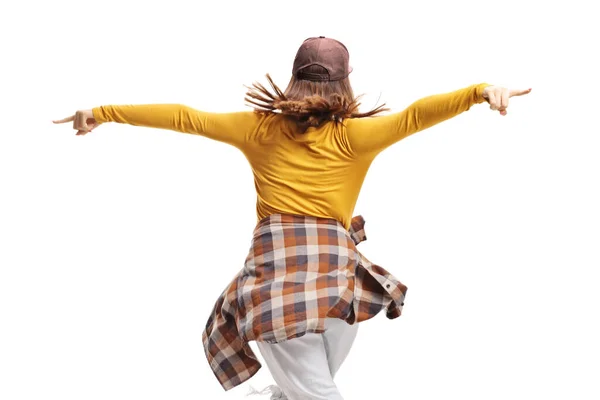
[{"x": 115, "y": 245}]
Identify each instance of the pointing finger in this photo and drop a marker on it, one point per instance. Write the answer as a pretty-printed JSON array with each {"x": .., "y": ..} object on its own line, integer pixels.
[
  {"x": 68, "y": 119},
  {"x": 519, "y": 92}
]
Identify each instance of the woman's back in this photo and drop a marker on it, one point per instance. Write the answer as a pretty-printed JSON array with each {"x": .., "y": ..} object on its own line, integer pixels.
[{"x": 314, "y": 172}]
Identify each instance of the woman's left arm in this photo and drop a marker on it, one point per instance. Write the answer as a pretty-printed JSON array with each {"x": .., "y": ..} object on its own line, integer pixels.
[{"x": 233, "y": 128}]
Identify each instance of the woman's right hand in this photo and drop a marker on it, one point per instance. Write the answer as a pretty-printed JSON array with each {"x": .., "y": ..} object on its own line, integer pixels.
[
  {"x": 498, "y": 96},
  {"x": 83, "y": 121}
]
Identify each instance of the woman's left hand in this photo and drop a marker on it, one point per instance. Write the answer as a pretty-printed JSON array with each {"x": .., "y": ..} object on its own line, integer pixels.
[
  {"x": 498, "y": 97},
  {"x": 83, "y": 121}
]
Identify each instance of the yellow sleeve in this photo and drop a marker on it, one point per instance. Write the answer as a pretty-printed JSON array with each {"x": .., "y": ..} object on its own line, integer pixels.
[
  {"x": 369, "y": 136},
  {"x": 233, "y": 128}
]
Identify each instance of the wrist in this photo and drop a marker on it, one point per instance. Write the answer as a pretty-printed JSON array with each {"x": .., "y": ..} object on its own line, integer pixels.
[{"x": 481, "y": 94}]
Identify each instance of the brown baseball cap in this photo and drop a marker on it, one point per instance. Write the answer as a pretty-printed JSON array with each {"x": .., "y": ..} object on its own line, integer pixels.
[{"x": 328, "y": 53}]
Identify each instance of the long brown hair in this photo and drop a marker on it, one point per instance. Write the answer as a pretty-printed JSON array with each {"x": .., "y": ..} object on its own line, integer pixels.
[{"x": 310, "y": 103}]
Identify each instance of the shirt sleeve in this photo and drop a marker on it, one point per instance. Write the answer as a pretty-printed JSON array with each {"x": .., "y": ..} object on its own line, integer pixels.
[
  {"x": 369, "y": 136},
  {"x": 233, "y": 128}
]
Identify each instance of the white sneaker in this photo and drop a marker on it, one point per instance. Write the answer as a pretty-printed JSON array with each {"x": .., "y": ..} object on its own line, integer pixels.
[{"x": 274, "y": 390}]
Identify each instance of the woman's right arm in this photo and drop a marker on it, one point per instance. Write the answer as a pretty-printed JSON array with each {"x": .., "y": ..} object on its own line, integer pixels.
[{"x": 369, "y": 136}]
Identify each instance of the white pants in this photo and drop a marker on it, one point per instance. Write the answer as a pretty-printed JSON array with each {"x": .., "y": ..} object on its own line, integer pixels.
[{"x": 304, "y": 367}]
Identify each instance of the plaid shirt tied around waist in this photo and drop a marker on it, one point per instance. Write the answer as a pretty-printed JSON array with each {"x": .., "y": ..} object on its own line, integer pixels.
[{"x": 300, "y": 270}]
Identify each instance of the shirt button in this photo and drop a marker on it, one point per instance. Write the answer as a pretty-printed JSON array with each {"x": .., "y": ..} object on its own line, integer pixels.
[{"x": 387, "y": 286}]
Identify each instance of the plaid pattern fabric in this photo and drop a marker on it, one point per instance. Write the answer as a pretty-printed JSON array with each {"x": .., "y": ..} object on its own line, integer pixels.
[{"x": 300, "y": 270}]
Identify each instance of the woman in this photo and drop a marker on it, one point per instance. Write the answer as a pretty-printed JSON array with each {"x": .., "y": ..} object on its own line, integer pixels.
[{"x": 304, "y": 287}]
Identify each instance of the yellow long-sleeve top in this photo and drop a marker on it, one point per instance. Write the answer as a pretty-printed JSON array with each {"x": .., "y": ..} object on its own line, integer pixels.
[{"x": 318, "y": 172}]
